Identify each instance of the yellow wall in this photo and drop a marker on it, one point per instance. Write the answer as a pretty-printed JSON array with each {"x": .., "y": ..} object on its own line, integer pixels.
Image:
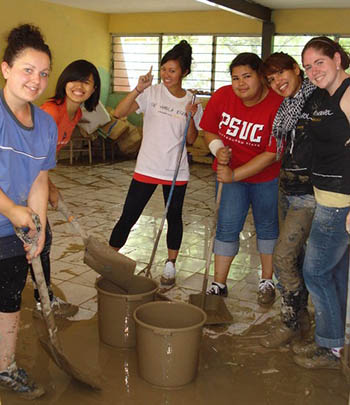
[
  {"x": 183, "y": 22},
  {"x": 316, "y": 21},
  {"x": 74, "y": 34},
  {"x": 299, "y": 21},
  {"x": 71, "y": 33}
]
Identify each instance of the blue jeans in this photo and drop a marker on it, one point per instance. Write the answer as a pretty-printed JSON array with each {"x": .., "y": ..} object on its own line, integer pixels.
[
  {"x": 236, "y": 199},
  {"x": 326, "y": 273}
]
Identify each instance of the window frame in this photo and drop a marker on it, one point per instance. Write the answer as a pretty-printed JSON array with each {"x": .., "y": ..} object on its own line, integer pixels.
[
  {"x": 212, "y": 60},
  {"x": 214, "y": 45}
]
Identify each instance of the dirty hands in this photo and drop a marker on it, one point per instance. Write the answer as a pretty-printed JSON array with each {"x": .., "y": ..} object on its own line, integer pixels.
[
  {"x": 224, "y": 174},
  {"x": 223, "y": 155},
  {"x": 39, "y": 245},
  {"x": 22, "y": 217},
  {"x": 144, "y": 81}
]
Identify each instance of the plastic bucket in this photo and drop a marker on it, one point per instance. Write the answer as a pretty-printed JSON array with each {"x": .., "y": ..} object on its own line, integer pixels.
[
  {"x": 168, "y": 337},
  {"x": 115, "y": 309}
]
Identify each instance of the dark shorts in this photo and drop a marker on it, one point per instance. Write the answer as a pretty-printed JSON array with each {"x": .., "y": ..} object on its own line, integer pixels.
[
  {"x": 13, "y": 275},
  {"x": 11, "y": 246}
]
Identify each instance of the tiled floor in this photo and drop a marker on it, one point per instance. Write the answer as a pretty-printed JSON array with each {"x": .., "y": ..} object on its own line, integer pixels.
[
  {"x": 95, "y": 194},
  {"x": 233, "y": 367}
]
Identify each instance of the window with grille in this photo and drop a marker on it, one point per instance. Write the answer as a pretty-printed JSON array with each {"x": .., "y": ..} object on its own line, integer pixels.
[
  {"x": 291, "y": 44},
  {"x": 132, "y": 57},
  {"x": 294, "y": 44},
  {"x": 212, "y": 55},
  {"x": 345, "y": 43}
]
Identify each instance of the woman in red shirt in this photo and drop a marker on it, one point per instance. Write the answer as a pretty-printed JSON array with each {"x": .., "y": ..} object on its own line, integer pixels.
[{"x": 238, "y": 121}]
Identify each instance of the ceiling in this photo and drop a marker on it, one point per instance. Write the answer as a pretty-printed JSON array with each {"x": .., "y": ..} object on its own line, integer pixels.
[{"x": 144, "y": 6}]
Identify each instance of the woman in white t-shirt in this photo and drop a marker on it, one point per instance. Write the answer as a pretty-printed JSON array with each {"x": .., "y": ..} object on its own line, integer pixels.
[{"x": 165, "y": 108}]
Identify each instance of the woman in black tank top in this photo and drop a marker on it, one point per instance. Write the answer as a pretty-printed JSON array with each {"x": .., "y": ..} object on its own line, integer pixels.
[{"x": 326, "y": 261}]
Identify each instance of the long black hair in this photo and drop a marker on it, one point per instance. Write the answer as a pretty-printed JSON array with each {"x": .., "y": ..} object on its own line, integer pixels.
[
  {"x": 182, "y": 52},
  {"x": 78, "y": 70}
]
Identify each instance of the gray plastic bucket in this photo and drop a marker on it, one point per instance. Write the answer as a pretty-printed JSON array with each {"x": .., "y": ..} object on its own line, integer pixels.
[
  {"x": 168, "y": 337},
  {"x": 115, "y": 309}
]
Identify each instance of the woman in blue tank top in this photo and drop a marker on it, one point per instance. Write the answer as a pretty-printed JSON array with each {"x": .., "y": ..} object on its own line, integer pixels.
[{"x": 28, "y": 138}]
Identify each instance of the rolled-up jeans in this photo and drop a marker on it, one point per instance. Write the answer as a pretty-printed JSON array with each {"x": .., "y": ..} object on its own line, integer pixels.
[
  {"x": 325, "y": 273},
  {"x": 236, "y": 199}
]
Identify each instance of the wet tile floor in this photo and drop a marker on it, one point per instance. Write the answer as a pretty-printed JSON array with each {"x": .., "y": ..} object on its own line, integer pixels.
[
  {"x": 96, "y": 196},
  {"x": 234, "y": 368}
]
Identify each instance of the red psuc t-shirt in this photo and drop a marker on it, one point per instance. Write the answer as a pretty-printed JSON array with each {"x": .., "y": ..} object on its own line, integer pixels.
[{"x": 246, "y": 130}]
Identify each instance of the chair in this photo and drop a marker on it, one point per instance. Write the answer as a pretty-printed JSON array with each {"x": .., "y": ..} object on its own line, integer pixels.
[{"x": 79, "y": 143}]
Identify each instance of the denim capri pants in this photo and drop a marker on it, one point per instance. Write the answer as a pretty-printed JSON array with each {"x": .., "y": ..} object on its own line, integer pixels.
[{"x": 236, "y": 199}]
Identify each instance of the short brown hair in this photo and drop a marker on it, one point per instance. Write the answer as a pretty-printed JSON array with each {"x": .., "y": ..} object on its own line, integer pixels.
[{"x": 247, "y": 59}]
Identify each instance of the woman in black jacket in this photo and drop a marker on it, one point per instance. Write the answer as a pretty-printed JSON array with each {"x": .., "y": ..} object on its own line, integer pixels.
[{"x": 296, "y": 199}]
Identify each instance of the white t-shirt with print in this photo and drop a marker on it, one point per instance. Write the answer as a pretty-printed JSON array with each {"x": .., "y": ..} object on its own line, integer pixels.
[{"x": 163, "y": 131}]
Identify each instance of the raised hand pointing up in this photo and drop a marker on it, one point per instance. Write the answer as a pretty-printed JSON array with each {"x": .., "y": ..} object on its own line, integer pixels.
[{"x": 144, "y": 81}]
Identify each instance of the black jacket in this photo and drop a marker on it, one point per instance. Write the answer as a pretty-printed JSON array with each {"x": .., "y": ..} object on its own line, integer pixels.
[{"x": 295, "y": 177}]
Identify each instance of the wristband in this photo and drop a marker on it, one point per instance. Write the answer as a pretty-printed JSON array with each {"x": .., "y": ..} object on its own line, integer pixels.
[
  {"x": 138, "y": 91},
  {"x": 215, "y": 145}
]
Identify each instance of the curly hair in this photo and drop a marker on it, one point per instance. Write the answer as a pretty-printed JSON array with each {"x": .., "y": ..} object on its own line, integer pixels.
[{"x": 22, "y": 37}]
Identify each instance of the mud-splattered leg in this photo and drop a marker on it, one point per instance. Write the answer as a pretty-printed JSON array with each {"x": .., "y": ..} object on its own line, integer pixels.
[
  {"x": 8, "y": 338},
  {"x": 287, "y": 261}
]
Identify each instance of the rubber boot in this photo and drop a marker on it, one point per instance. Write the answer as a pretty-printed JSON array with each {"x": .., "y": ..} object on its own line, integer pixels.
[
  {"x": 304, "y": 322},
  {"x": 279, "y": 336},
  {"x": 304, "y": 348}
]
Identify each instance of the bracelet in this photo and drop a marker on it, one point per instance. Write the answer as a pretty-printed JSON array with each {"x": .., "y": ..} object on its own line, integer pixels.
[
  {"x": 137, "y": 90},
  {"x": 215, "y": 145}
]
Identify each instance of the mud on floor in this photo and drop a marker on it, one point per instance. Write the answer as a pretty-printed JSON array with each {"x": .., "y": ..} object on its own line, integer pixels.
[{"x": 233, "y": 370}]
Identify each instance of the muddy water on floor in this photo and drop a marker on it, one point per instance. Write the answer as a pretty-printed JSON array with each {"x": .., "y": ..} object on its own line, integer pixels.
[{"x": 233, "y": 370}]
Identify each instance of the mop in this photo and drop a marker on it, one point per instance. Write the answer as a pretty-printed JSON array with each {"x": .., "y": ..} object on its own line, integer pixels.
[
  {"x": 53, "y": 346},
  {"x": 213, "y": 305},
  {"x": 100, "y": 256}
]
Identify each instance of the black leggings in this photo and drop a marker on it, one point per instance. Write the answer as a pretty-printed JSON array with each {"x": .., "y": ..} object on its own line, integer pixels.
[
  {"x": 13, "y": 277},
  {"x": 138, "y": 196}
]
